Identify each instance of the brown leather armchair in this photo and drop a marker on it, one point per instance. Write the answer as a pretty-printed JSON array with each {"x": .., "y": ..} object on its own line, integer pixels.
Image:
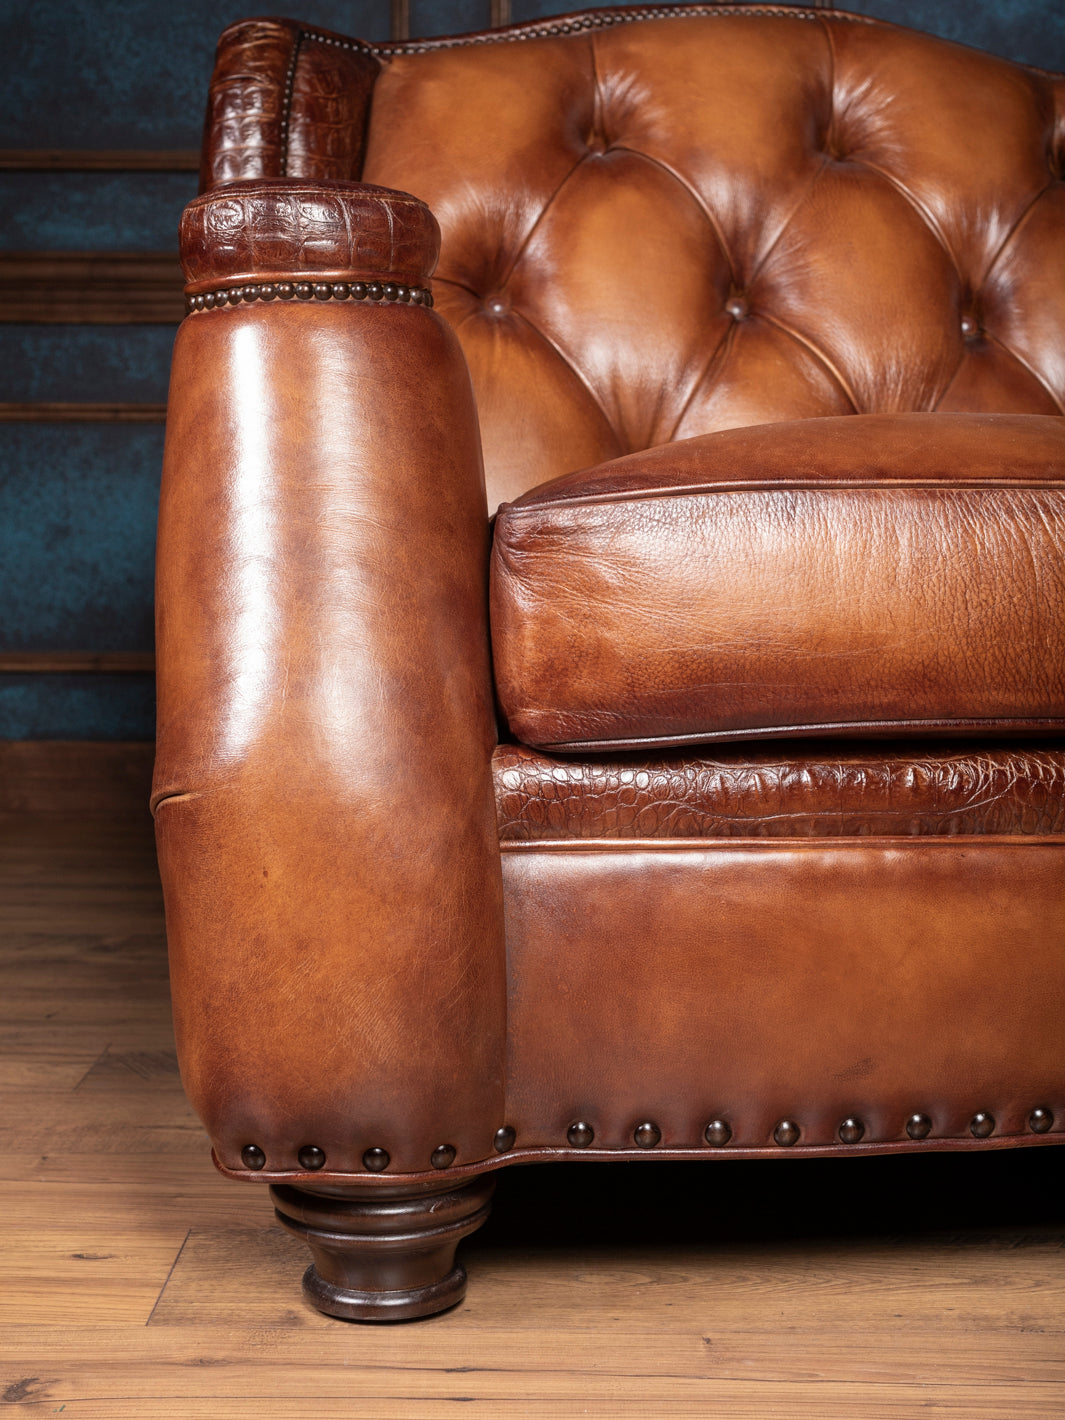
[{"x": 712, "y": 804}]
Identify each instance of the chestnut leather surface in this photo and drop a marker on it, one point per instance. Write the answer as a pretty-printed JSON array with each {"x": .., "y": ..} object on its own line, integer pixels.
[
  {"x": 876, "y": 574},
  {"x": 323, "y": 796},
  {"x": 840, "y": 791},
  {"x": 290, "y": 227},
  {"x": 658, "y": 223},
  {"x": 762, "y": 982}
]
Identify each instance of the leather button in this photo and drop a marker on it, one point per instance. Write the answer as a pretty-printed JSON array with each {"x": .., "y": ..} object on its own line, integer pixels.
[
  {"x": 737, "y": 307},
  {"x": 970, "y": 327},
  {"x": 497, "y": 306}
]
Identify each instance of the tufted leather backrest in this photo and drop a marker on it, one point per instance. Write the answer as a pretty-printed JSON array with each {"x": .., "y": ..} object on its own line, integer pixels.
[{"x": 661, "y": 222}]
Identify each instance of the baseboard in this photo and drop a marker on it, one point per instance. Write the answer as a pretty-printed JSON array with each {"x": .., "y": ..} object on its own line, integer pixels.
[{"x": 91, "y": 778}]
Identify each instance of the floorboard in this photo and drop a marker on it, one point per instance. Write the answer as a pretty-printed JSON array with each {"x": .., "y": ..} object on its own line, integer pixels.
[{"x": 136, "y": 1282}]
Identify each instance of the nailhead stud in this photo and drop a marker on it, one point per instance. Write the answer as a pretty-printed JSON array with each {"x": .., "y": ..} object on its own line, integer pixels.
[
  {"x": 851, "y": 1131},
  {"x": 304, "y": 290},
  {"x": 1041, "y": 1121},
  {"x": 322, "y": 290},
  {"x": 442, "y": 1157},
  {"x": 286, "y": 290},
  {"x": 786, "y": 1133},
  {"x": 918, "y": 1126},
  {"x": 311, "y": 1157},
  {"x": 504, "y": 1140},
  {"x": 250, "y": 293},
  {"x": 208, "y": 301},
  {"x": 358, "y": 290},
  {"x": 252, "y": 1157},
  {"x": 376, "y": 1160},
  {"x": 341, "y": 290},
  {"x": 717, "y": 1133},
  {"x": 234, "y": 295},
  {"x": 982, "y": 1125},
  {"x": 580, "y": 1134},
  {"x": 268, "y": 292},
  {"x": 647, "y": 1135},
  {"x": 374, "y": 291}
]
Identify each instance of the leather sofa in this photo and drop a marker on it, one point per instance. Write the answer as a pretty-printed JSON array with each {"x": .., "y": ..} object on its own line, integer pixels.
[{"x": 707, "y": 802}]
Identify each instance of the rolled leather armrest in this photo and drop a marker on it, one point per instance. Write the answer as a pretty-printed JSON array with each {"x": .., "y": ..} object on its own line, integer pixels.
[{"x": 323, "y": 801}]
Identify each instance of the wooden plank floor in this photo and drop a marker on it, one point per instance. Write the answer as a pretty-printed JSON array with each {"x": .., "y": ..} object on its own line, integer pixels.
[{"x": 134, "y": 1281}]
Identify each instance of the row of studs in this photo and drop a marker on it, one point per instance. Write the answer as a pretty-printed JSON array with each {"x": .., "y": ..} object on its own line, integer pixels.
[
  {"x": 567, "y": 27},
  {"x": 647, "y": 1135},
  {"x": 310, "y": 291}
]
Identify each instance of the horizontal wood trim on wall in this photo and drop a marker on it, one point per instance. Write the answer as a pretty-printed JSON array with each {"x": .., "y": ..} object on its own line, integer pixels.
[
  {"x": 65, "y": 412},
  {"x": 77, "y": 662},
  {"x": 112, "y": 288},
  {"x": 112, "y": 160},
  {"x": 89, "y": 777}
]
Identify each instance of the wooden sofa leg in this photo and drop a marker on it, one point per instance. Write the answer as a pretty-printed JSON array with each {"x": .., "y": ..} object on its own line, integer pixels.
[{"x": 386, "y": 1254}]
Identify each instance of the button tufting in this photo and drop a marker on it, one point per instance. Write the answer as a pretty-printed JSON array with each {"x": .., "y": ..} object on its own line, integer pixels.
[
  {"x": 737, "y": 307},
  {"x": 970, "y": 327}
]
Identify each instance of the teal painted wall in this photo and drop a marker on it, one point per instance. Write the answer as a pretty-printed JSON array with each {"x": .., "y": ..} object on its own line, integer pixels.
[{"x": 77, "y": 502}]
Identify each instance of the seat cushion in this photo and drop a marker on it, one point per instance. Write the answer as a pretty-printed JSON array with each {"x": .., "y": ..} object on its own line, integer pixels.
[{"x": 868, "y": 575}]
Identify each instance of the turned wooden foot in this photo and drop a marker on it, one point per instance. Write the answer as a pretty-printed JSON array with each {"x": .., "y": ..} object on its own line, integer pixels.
[{"x": 385, "y": 1255}]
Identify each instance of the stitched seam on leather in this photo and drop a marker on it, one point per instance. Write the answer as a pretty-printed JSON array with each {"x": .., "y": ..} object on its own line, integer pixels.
[
  {"x": 919, "y": 208},
  {"x": 576, "y": 372},
  {"x": 828, "y": 843},
  {"x": 286, "y": 102},
  {"x": 994, "y": 340},
  {"x": 1022, "y": 218},
  {"x": 817, "y": 354},
  {"x": 722, "y": 349},
  {"x": 803, "y": 197},
  {"x": 524, "y": 244},
  {"x": 686, "y": 185},
  {"x": 707, "y": 490},
  {"x": 951, "y": 382}
]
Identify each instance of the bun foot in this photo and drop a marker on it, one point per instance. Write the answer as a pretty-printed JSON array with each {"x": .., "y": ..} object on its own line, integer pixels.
[{"x": 386, "y": 1254}]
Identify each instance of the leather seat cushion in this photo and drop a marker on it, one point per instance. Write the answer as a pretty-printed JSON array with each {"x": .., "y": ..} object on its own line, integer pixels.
[
  {"x": 839, "y": 791},
  {"x": 866, "y": 575}
]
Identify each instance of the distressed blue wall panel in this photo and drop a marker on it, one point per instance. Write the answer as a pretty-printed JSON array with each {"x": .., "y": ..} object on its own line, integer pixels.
[
  {"x": 92, "y": 211},
  {"x": 77, "y": 707},
  {"x": 86, "y": 362},
  {"x": 93, "y": 74},
  {"x": 77, "y": 535},
  {"x": 447, "y": 17}
]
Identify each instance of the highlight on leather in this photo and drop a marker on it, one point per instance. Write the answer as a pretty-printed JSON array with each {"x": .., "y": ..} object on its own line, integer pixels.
[
  {"x": 289, "y": 227},
  {"x": 873, "y": 575}
]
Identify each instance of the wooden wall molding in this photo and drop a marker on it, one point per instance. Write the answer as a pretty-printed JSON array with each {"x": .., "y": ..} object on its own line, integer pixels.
[
  {"x": 64, "y": 412},
  {"x": 104, "y": 778},
  {"x": 77, "y": 662},
  {"x": 112, "y": 288},
  {"x": 114, "y": 160}
]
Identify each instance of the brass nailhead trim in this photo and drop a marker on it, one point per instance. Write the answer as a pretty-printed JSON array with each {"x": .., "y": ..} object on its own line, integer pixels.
[
  {"x": 647, "y": 1135},
  {"x": 580, "y": 1135},
  {"x": 443, "y": 1156},
  {"x": 376, "y": 1160},
  {"x": 1041, "y": 1121},
  {"x": 384, "y": 292},
  {"x": 252, "y": 1157},
  {"x": 787, "y": 1133},
  {"x": 718, "y": 1132},
  {"x": 311, "y": 1157},
  {"x": 504, "y": 1139}
]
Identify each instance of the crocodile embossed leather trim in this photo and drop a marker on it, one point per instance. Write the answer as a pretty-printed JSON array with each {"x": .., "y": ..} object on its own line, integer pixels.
[{"x": 381, "y": 292}]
